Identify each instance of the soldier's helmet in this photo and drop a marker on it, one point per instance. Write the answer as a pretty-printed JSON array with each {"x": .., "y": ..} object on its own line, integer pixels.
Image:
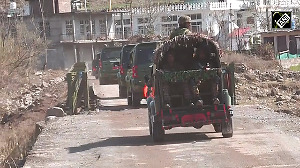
[{"x": 184, "y": 19}]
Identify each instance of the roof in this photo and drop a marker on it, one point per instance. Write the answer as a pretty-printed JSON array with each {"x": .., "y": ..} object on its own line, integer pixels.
[{"x": 239, "y": 32}]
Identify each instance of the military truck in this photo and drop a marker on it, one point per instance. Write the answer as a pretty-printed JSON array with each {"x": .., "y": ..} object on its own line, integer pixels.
[
  {"x": 141, "y": 57},
  {"x": 124, "y": 61},
  {"x": 199, "y": 72},
  {"x": 109, "y": 65}
]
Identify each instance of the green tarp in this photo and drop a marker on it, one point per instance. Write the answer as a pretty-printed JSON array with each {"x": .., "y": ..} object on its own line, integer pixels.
[{"x": 287, "y": 56}]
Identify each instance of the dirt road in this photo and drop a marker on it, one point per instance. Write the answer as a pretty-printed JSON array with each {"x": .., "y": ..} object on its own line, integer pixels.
[{"x": 118, "y": 136}]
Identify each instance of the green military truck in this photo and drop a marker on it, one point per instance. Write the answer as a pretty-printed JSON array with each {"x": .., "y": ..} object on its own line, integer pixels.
[
  {"x": 109, "y": 65},
  {"x": 141, "y": 57},
  {"x": 124, "y": 62},
  {"x": 199, "y": 72}
]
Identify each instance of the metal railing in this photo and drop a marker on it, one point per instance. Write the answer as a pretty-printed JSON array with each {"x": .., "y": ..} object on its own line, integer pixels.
[
  {"x": 82, "y": 37},
  {"x": 78, "y": 88}
]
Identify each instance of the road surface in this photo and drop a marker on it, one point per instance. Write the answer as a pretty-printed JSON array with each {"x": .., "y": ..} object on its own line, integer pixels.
[{"x": 118, "y": 136}]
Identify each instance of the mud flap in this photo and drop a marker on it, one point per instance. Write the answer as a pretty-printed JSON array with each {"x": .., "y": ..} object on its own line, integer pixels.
[{"x": 227, "y": 128}]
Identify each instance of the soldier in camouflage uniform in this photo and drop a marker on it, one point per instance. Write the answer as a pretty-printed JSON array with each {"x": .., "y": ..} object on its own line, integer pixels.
[{"x": 184, "y": 26}]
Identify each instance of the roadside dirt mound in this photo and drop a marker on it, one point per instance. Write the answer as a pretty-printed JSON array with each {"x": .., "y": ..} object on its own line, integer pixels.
[
  {"x": 272, "y": 89},
  {"x": 22, "y": 105}
]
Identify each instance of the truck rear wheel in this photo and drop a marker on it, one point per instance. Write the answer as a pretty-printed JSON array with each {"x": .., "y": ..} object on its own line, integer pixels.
[
  {"x": 122, "y": 91},
  {"x": 135, "y": 99},
  {"x": 129, "y": 99},
  {"x": 217, "y": 127},
  {"x": 227, "y": 129},
  {"x": 157, "y": 130}
]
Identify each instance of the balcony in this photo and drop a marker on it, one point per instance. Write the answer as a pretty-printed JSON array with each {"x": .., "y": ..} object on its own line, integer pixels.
[{"x": 83, "y": 38}]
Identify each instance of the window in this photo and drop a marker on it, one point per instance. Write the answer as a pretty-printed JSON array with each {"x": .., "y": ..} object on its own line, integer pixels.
[
  {"x": 118, "y": 22},
  {"x": 102, "y": 24},
  {"x": 126, "y": 21},
  {"x": 196, "y": 16},
  {"x": 81, "y": 24},
  {"x": 169, "y": 18},
  {"x": 127, "y": 32},
  {"x": 196, "y": 27},
  {"x": 69, "y": 27},
  {"x": 93, "y": 27},
  {"x": 250, "y": 20},
  {"x": 85, "y": 27},
  {"x": 143, "y": 20},
  {"x": 118, "y": 32},
  {"x": 47, "y": 29},
  {"x": 147, "y": 51},
  {"x": 141, "y": 30},
  {"x": 168, "y": 28}
]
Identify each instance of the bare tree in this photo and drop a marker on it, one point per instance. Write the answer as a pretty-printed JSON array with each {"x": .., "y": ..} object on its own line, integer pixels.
[{"x": 20, "y": 48}]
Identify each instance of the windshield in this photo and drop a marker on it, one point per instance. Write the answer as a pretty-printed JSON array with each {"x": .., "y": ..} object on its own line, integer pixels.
[
  {"x": 145, "y": 53},
  {"x": 126, "y": 54},
  {"x": 109, "y": 54}
]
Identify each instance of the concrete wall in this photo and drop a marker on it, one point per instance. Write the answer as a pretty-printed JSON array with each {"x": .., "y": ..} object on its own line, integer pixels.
[
  {"x": 64, "y": 6},
  {"x": 85, "y": 54},
  {"x": 68, "y": 55}
]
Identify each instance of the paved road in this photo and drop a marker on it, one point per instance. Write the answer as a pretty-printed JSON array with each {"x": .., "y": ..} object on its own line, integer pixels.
[{"x": 117, "y": 136}]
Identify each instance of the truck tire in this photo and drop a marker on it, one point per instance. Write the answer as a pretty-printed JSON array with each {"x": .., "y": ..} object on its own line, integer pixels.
[
  {"x": 135, "y": 99},
  {"x": 217, "y": 127},
  {"x": 129, "y": 99},
  {"x": 122, "y": 91},
  {"x": 227, "y": 128},
  {"x": 157, "y": 130}
]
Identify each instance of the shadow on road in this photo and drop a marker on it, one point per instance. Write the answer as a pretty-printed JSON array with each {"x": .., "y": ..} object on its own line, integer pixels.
[
  {"x": 146, "y": 140},
  {"x": 109, "y": 98},
  {"x": 120, "y": 107}
]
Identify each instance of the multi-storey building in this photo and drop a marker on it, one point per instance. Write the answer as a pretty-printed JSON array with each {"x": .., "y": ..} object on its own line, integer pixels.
[
  {"x": 74, "y": 34},
  {"x": 77, "y": 34}
]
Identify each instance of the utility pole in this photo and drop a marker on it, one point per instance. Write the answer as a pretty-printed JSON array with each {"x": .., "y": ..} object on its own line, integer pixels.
[
  {"x": 43, "y": 19},
  {"x": 267, "y": 15},
  {"x": 131, "y": 23},
  {"x": 109, "y": 5},
  {"x": 230, "y": 28}
]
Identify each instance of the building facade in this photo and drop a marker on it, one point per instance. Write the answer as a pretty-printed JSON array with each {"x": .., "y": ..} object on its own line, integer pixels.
[{"x": 77, "y": 34}]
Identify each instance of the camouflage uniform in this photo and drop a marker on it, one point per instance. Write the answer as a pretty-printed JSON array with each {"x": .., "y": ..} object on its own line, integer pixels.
[
  {"x": 182, "y": 28},
  {"x": 179, "y": 31}
]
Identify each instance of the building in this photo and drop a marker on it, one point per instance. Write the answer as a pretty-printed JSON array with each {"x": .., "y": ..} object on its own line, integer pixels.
[
  {"x": 74, "y": 34},
  {"x": 77, "y": 34}
]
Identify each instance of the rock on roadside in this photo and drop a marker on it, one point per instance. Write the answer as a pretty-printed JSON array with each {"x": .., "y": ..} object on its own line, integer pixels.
[{"x": 55, "y": 111}]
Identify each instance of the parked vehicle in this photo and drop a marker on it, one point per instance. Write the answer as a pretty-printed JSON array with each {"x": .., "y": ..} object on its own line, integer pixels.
[
  {"x": 109, "y": 65},
  {"x": 95, "y": 66},
  {"x": 141, "y": 58},
  {"x": 124, "y": 62},
  {"x": 198, "y": 68}
]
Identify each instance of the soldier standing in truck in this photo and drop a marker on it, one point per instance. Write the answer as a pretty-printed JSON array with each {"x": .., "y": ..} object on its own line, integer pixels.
[{"x": 184, "y": 27}]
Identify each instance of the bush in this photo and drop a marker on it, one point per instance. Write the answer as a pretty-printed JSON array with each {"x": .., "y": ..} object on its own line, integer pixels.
[
  {"x": 19, "y": 50},
  {"x": 264, "y": 51},
  {"x": 252, "y": 62}
]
